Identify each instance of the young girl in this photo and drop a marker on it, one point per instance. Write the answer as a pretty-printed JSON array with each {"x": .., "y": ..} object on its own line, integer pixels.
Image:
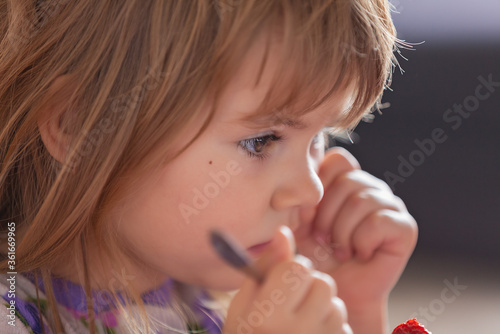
[{"x": 130, "y": 129}]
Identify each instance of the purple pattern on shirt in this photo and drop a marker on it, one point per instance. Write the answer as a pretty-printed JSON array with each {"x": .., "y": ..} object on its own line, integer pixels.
[
  {"x": 72, "y": 296},
  {"x": 209, "y": 321}
]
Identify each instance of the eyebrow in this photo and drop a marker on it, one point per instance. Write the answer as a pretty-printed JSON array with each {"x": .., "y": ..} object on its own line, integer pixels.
[
  {"x": 274, "y": 119},
  {"x": 282, "y": 118}
]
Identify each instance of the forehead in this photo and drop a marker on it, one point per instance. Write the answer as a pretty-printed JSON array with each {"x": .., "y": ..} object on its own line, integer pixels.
[
  {"x": 246, "y": 98},
  {"x": 243, "y": 109}
]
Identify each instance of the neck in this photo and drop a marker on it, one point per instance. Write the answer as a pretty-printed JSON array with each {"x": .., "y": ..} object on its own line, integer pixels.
[{"x": 104, "y": 273}]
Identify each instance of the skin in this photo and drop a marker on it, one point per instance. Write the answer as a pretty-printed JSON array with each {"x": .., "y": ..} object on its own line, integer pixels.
[{"x": 347, "y": 222}]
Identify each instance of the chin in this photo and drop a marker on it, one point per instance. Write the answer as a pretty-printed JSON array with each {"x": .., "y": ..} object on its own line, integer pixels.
[{"x": 226, "y": 282}]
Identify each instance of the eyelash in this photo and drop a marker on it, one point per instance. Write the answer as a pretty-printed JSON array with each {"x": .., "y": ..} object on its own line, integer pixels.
[{"x": 263, "y": 140}]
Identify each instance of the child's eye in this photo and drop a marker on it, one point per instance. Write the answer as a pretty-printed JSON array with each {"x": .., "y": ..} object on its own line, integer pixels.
[{"x": 256, "y": 147}]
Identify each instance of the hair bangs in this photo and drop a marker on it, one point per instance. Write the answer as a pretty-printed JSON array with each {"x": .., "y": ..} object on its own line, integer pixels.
[{"x": 325, "y": 47}]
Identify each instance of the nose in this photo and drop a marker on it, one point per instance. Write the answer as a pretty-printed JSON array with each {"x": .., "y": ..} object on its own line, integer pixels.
[{"x": 298, "y": 186}]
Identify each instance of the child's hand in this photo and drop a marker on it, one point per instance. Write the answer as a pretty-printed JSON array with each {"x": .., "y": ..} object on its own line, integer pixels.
[
  {"x": 366, "y": 233},
  {"x": 293, "y": 299}
]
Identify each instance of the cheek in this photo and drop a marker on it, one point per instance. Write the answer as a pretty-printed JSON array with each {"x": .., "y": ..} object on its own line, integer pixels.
[
  {"x": 169, "y": 214},
  {"x": 149, "y": 217},
  {"x": 204, "y": 196}
]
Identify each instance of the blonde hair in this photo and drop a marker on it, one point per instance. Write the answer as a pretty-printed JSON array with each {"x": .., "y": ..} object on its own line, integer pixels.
[{"x": 140, "y": 71}]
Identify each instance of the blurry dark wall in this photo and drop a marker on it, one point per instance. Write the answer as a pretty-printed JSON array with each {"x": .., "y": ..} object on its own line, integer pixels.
[{"x": 453, "y": 189}]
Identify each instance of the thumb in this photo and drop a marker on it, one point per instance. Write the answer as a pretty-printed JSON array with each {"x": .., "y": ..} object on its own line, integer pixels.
[{"x": 282, "y": 248}]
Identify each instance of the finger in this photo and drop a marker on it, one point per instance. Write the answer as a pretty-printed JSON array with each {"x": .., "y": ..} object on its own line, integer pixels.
[
  {"x": 335, "y": 196},
  {"x": 306, "y": 262},
  {"x": 292, "y": 279},
  {"x": 242, "y": 300},
  {"x": 317, "y": 302},
  {"x": 388, "y": 231},
  {"x": 346, "y": 329},
  {"x": 354, "y": 211},
  {"x": 281, "y": 248},
  {"x": 336, "y": 162},
  {"x": 337, "y": 315}
]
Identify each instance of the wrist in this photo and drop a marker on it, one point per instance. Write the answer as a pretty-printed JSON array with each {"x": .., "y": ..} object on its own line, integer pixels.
[{"x": 369, "y": 318}]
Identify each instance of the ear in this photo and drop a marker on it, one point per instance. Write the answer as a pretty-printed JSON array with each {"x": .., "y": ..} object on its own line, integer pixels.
[{"x": 51, "y": 118}]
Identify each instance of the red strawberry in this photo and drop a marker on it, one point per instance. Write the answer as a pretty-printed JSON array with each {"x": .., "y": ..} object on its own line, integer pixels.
[{"x": 410, "y": 327}]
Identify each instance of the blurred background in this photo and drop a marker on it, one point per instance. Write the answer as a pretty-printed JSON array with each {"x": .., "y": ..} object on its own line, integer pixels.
[{"x": 438, "y": 146}]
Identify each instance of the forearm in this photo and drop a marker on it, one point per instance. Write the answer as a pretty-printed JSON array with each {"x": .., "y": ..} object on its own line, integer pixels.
[{"x": 369, "y": 319}]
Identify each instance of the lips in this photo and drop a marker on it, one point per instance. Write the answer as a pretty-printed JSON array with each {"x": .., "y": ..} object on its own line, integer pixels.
[{"x": 258, "y": 249}]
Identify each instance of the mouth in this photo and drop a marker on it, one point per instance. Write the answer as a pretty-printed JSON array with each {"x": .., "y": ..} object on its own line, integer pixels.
[{"x": 258, "y": 249}]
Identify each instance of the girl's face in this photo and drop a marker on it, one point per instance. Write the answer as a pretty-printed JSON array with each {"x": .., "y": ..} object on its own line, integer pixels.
[{"x": 245, "y": 177}]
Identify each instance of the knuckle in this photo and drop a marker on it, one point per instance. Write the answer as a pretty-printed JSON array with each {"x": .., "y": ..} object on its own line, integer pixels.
[
  {"x": 337, "y": 317},
  {"x": 340, "y": 154},
  {"x": 412, "y": 227},
  {"x": 375, "y": 219},
  {"x": 378, "y": 183},
  {"x": 304, "y": 261},
  {"x": 412, "y": 222},
  {"x": 348, "y": 177},
  {"x": 339, "y": 159},
  {"x": 339, "y": 310},
  {"x": 399, "y": 203},
  {"x": 358, "y": 199},
  {"x": 285, "y": 271},
  {"x": 382, "y": 185},
  {"x": 324, "y": 282},
  {"x": 340, "y": 306},
  {"x": 299, "y": 268}
]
